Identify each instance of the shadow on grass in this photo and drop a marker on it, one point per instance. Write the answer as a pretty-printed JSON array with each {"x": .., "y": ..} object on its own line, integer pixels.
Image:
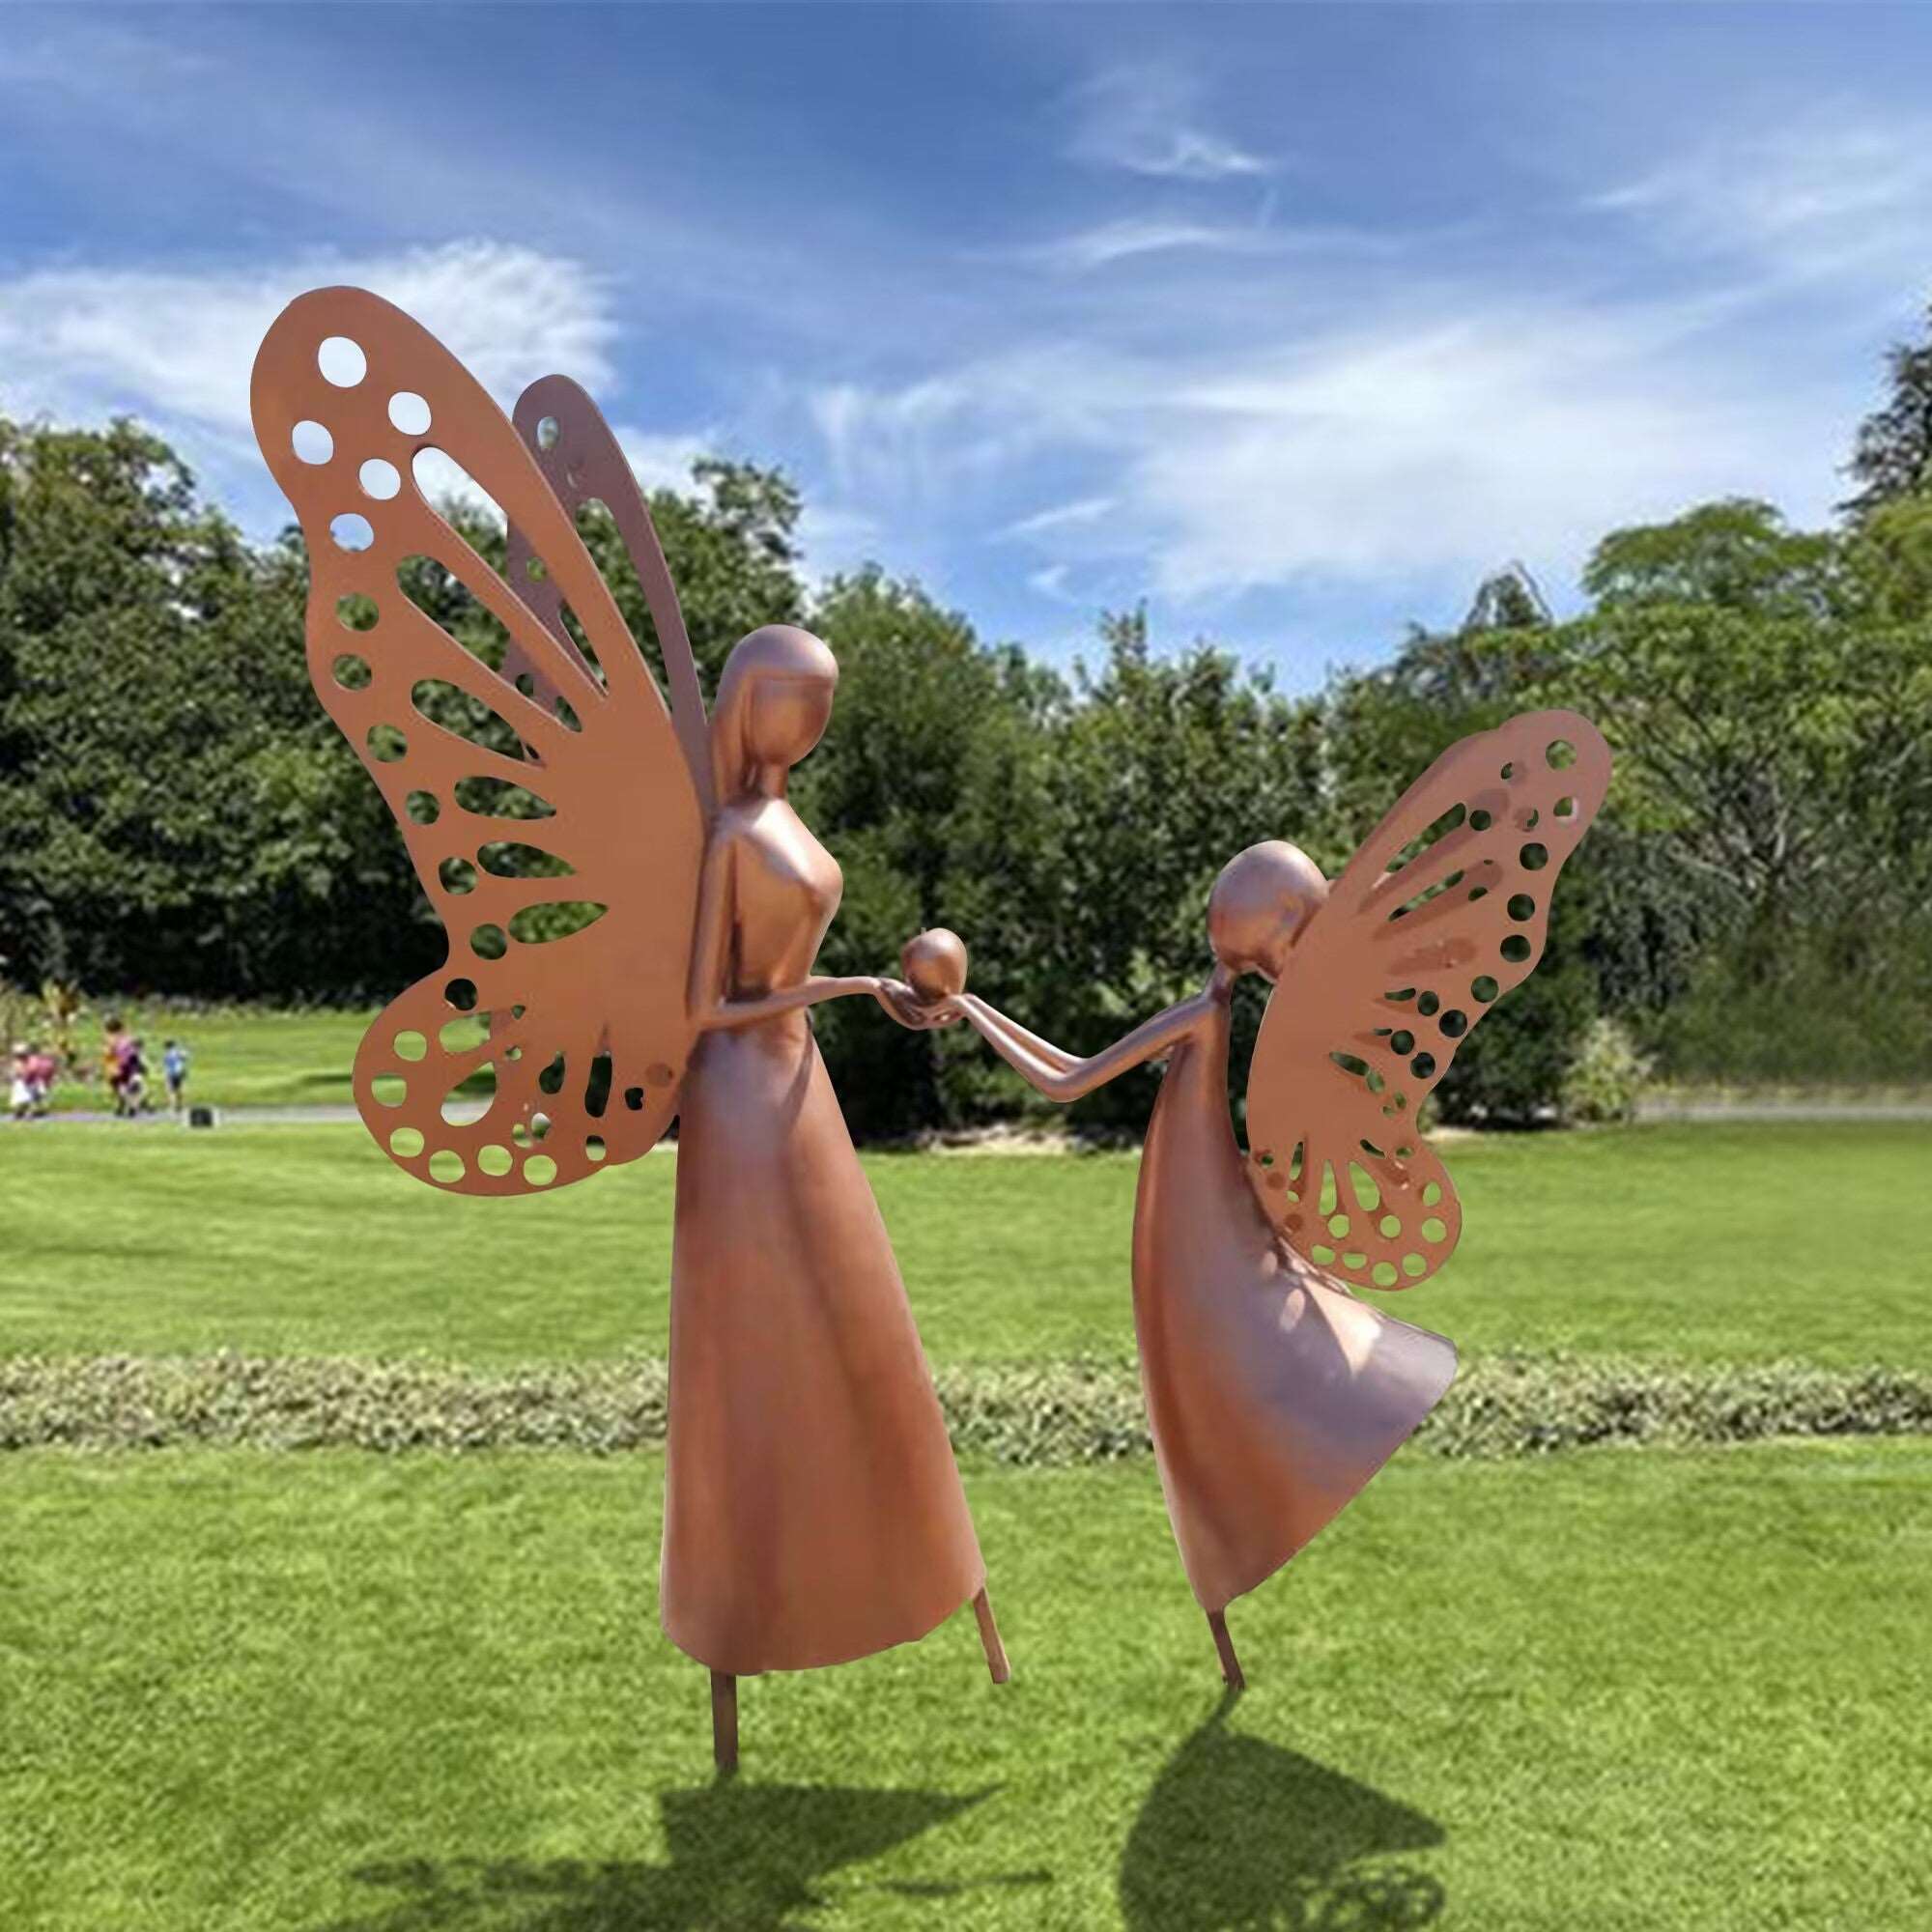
[
  {"x": 1238, "y": 1833},
  {"x": 747, "y": 1857}
]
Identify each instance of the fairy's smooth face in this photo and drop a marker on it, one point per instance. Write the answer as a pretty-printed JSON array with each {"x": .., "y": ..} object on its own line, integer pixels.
[
  {"x": 1259, "y": 905},
  {"x": 786, "y": 718}
]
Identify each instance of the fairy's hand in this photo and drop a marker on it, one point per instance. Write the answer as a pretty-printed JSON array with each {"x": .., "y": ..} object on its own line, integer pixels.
[
  {"x": 911, "y": 1012},
  {"x": 899, "y": 1000}
]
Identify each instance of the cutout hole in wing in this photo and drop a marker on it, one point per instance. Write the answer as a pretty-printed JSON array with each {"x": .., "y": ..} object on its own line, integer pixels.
[
  {"x": 454, "y": 710},
  {"x": 598, "y": 528},
  {"x": 509, "y": 859},
  {"x": 447, "y": 602},
  {"x": 341, "y": 361},
  {"x": 498, "y": 798},
  {"x": 466, "y": 1030},
  {"x": 471, "y": 1094},
  {"x": 408, "y": 413},
  {"x": 554, "y": 919},
  {"x": 1425, "y": 838},
  {"x": 581, "y": 638},
  {"x": 449, "y": 489},
  {"x": 597, "y": 1089},
  {"x": 311, "y": 442},
  {"x": 1428, "y": 893}
]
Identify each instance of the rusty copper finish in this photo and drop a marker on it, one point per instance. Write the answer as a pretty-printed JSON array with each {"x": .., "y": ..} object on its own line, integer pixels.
[
  {"x": 814, "y": 1510},
  {"x": 1274, "y": 1393}
]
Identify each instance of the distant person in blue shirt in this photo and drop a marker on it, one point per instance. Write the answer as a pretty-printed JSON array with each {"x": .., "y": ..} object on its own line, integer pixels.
[{"x": 174, "y": 1071}]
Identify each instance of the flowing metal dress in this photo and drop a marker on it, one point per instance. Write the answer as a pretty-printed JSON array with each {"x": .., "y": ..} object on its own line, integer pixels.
[
  {"x": 814, "y": 1510},
  {"x": 1273, "y": 1393}
]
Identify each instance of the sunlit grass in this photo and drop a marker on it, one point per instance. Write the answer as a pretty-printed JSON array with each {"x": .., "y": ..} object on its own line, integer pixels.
[
  {"x": 1708, "y": 1244},
  {"x": 1608, "y": 1691}
]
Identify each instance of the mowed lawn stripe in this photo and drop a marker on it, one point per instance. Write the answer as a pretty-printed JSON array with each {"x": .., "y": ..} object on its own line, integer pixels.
[{"x": 1778, "y": 1242}]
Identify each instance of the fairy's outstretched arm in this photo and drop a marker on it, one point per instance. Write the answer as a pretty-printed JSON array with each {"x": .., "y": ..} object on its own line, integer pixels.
[
  {"x": 710, "y": 1004},
  {"x": 1061, "y": 1075}
]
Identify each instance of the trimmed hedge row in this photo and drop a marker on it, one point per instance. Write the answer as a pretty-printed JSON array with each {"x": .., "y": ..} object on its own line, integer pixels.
[{"x": 1037, "y": 1415}]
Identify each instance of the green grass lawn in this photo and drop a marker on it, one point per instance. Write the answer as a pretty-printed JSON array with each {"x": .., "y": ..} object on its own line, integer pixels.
[
  {"x": 1745, "y": 1242},
  {"x": 1607, "y": 1691},
  {"x": 242, "y": 1056}
]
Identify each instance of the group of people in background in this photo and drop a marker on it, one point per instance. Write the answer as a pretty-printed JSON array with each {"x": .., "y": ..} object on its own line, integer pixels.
[{"x": 124, "y": 1068}]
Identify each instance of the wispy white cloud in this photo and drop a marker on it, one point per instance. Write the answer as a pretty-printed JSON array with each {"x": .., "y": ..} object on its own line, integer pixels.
[
  {"x": 1405, "y": 449},
  {"x": 1842, "y": 192},
  {"x": 832, "y": 540},
  {"x": 1082, "y": 511},
  {"x": 1148, "y": 235},
  {"x": 1144, "y": 118},
  {"x": 663, "y": 462},
  {"x": 176, "y": 348}
]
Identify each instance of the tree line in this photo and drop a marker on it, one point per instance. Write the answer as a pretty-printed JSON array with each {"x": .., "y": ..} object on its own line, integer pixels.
[{"x": 177, "y": 816}]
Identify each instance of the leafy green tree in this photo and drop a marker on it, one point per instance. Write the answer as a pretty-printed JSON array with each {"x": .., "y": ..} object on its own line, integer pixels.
[
  {"x": 917, "y": 691},
  {"x": 1159, "y": 771},
  {"x": 1892, "y": 455},
  {"x": 1737, "y": 554},
  {"x": 156, "y": 724}
]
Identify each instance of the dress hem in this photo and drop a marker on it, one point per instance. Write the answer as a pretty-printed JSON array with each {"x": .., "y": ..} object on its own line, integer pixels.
[{"x": 821, "y": 1663}]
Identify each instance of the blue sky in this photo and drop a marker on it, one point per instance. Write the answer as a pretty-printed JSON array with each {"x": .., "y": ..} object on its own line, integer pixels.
[{"x": 1290, "y": 321}]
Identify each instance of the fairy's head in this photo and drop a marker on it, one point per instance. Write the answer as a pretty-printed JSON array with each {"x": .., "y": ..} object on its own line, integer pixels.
[
  {"x": 774, "y": 702},
  {"x": 1260, "y": 904}
]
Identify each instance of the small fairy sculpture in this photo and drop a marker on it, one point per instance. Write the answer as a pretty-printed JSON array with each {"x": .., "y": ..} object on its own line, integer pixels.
[
  {"x": 1274, "y": 1392},
  {"x": 634, "y": 909}
]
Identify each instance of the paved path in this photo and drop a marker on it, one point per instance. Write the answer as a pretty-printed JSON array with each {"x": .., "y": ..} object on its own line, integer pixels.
[
  {"x": 236, "y": 1116},
  {"x": 1784, "y": 1110}
]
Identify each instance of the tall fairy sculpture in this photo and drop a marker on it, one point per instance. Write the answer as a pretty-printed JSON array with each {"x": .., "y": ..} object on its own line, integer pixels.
[
  {"x": 1274, "y": 1392},
  {"x": 633, "y": 908}
]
